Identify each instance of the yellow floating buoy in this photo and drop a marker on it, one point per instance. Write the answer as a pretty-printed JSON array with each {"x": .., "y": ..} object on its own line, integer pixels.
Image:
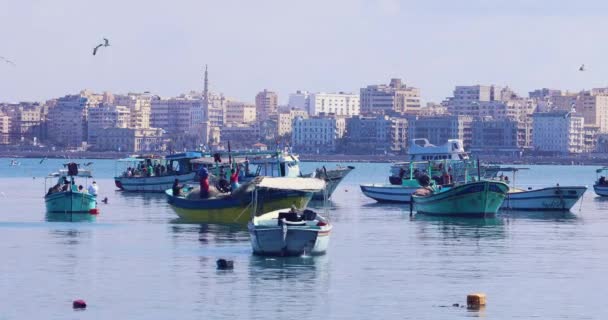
[{"x": 476, "y": 300}]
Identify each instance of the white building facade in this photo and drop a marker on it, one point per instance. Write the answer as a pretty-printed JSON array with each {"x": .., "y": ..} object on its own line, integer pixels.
[
  {"x": 558, "y": 132},
  {"x": 317, "y": 134}
]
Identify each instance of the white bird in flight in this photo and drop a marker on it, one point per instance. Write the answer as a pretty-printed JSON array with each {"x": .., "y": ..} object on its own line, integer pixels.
[
  {"x": 7, "y": 61},
  {"x": 106, "y": 43}
]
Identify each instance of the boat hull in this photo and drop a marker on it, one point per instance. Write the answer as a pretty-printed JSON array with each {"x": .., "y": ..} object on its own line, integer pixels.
[
  {"x": 150, "y": 184},
  {"x": 332, "y": 179},
  {"x": 388, "y": 193},
  {"x": 546, "y": 199},
  {"x": 475, "y": 199},
  {"x": 601, "y": 190},
  {"x": 289, "y": 241},
  {"x": 70, "y": 202},
  {"x": 233, "y": 210}
]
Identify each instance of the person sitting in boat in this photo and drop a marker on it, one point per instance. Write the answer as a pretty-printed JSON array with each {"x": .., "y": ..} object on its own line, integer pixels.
[
  {"x": 54, "y": 189},
  {"x": 223, "y": 185},
  {"x": 602, "y": 180},
  {"x": 177, "y": 189},
  {"x": 425, "y": 183},
  {"x": 93, "y": 189},
  {"x": 80, "y": 188}
]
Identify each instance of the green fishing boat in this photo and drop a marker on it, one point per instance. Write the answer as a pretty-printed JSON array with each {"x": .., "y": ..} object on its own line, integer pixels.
[{"x": 474, "y": 199}]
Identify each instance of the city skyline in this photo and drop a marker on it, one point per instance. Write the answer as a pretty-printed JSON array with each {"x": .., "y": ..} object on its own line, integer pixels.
[{"x": 315, "y": 46}]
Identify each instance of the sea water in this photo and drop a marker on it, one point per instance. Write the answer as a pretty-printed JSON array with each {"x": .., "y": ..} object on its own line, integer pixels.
[{"x": 136, "y": 260}]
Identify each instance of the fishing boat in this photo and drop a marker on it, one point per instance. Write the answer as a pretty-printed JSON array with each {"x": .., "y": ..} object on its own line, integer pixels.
[
  {"x": 452, "y": 151},
  {"x": 271, "y": 164},
  {"x": 442, "y": 172},
  {"x": 332, "y": 178},
  {"x": 472, "y": 199},
  {"x": 231, "y": 207},
  {"x": 287, "y": 231},
  {"x": 66, "y": 197},
  {"x": 149, "y": 173},
  {"x": 557, "y": 198},
  {"x": 601, "y": 184}
]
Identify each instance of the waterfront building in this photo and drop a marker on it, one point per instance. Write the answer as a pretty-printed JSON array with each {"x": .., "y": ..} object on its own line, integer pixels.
[
  {"x": 139, "y": 105},
  {"x": 130, "y": 139},
  {"x": 106, "y": 116},
  {"x": 67, "y": 120},
  {"x": 602, "y": 143},
  {"x": 319, "y": 134},
  {"x": 394, "y": 97},
  {"x": 240, "y": 112},
  {"x": 379, "y": 134},
  {"x": 299, "y": 100},
  {"x": 5, "y": 128},
  {"x": 438, "y": 129},
  {"x": 558, "y": 132},
  {"x": 176, "y": 115},
  {"x": 341, "y": 104},
  {"x": 285, "y": 120},
  {"x": 506, "y": 136},
  {"x": 240, "y": 135},
  {"x": 266, "y": 103}
]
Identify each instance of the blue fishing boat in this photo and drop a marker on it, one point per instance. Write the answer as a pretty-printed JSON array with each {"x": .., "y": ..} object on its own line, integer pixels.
[{"x": 66, "y": 196}]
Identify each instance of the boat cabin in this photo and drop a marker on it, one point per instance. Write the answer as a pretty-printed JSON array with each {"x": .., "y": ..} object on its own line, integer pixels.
[{"x": 423, "y": 150}]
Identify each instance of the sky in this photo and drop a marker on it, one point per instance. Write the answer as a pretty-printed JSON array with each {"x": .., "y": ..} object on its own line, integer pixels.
[{"x": 286, "y": 45}]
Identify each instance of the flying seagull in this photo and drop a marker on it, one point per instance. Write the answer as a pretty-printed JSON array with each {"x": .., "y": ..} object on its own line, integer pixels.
[
  {"x": 582, "y": 68},
  {"x": 7, "y": 61},
  {"x": 106, "y": 43}
]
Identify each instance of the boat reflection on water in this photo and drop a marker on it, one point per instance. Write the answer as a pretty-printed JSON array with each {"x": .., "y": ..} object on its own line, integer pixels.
[
  {"x": 461, "y": 227},
  {"x": 136, "y": 199},
  {"x": 566, "y": 216},
  {"x": 211, "y": 233},
  {"x": 70, "y": 217}
]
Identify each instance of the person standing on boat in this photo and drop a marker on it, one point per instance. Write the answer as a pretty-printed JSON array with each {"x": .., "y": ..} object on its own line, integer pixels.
[
  {"x": 203, "y": 175},
  {"x": 234, "y": 179}
]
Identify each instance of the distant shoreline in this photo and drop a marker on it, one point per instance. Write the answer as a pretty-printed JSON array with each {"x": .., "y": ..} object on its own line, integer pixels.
[{"x": 594, "y": 159}]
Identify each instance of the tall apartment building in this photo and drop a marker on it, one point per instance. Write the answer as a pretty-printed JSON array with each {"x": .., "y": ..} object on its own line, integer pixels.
[
  {"x": 267, "y": 103},
  {"x": 67, "y": 120},
  {"x": 340, "y": 104},
  {"x": 378, "y": 134},
  {"x": 285, "y": 120},
  {"x": 239, "y": 112},
  {"x": 560, "y": 132},
  {"x": 140, "y": 107},
  {"x": 176, "y": 115},
  {"x": 317, "y": 134},
  {"x": 505, "y": 136},
  {"x": 5, "y": 128},
  {"x": 438, "y": 129},
  {"x": 394, "y": 97},
  {"x": 593, "y": 106},
  {"x": 299, "y": 100},
  {"x": 106, "y": 116}
]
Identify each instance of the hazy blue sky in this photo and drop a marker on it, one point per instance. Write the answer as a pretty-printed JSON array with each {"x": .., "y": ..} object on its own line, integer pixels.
[{"x": 317, "y": 45}]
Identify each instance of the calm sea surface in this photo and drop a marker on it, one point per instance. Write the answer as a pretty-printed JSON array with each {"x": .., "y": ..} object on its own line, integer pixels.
[{"x": 136, "y": 261}]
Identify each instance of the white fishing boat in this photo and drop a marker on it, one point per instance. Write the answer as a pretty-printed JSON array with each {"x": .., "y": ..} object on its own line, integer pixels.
[
  {"x": 288, "y": 232},
  {"x": 154, "y": 173},
  {"x": 601, "y": 183},
  {"x": 557, "y": 198},
  {"x": 390, "y": 192}
]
